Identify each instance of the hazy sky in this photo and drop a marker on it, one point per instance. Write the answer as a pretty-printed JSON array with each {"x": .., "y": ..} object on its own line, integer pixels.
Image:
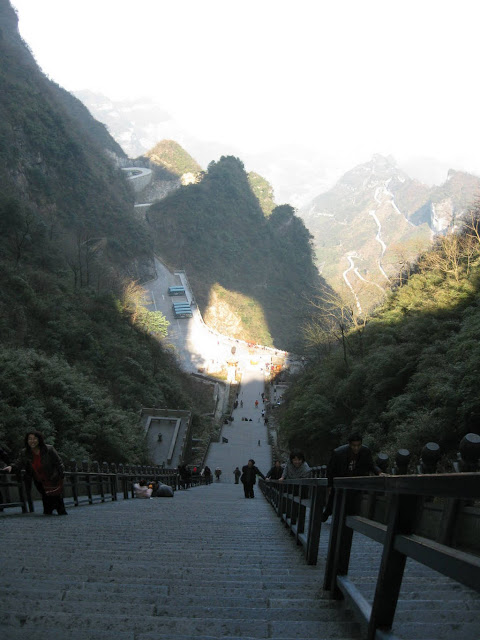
[{"x": 346, "y": 78}]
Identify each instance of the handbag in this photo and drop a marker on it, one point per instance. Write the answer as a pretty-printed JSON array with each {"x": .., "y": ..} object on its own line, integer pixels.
[{"x": 53, "y": 489}]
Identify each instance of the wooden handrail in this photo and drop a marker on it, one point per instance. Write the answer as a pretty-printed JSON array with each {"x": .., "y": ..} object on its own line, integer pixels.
[
  {"x": 88, "y": 487},
  {"x": 403, "y": 501}
]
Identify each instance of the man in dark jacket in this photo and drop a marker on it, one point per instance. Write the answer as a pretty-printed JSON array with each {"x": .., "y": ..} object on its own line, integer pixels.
[
  {"x": 249, "y": 477},
  {"x": 352, "y": 459},
  {"x": 276, "y": 471}
]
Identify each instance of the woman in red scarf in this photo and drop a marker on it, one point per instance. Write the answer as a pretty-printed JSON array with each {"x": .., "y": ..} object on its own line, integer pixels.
[{"x": 44, "y": 466}]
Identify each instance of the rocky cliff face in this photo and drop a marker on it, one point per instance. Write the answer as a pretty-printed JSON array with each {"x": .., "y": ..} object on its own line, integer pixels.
[
  {"x": 375, "y": 219},
  {"x": 136, "y": 126},
  {"x": 60, "y": 166}
]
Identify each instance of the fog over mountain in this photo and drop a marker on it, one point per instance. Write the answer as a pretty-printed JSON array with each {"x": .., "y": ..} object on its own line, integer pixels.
[{"x": 296, "y": 172}]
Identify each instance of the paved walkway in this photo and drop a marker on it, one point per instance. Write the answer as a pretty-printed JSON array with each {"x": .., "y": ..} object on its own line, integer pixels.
[{"x": 243, "y": 437}]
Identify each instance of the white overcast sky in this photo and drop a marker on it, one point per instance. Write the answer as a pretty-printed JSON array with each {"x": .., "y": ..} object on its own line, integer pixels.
[{"x": 348, "y": 78}]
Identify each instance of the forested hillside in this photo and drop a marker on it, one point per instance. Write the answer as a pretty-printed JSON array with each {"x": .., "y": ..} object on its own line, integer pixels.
[
  {"x": 375, "y": 219},
  {"x": 259, "y": 268},
  {"x": 410, "y": 375},
  {"x": 170, "y": 156},
  {"x": 77, "y": 359}
]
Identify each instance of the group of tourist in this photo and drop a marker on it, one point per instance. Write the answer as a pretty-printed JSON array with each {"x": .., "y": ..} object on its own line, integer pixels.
[
  {"x": 44, "y": 467},
  {"x": 352, "y": 459},
  {"x": 152, "y": 489},
  {"x": 295, "y": 468}
]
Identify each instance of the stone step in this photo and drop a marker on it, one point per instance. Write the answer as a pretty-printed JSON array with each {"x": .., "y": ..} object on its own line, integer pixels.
[
  {"x": 170, "y": 627},
  {"x": 56, "y": 634},
  {"x": 203, "y": 566},
  {"x": 443, "y": 630},
  {"x": 210, "y": 574},
  {"x": 186, "y": 582},
  {"x": 439, "y": 593},
  {"x": 132, "y": 594},
  {"x": 409, "y": 581},
  {"x": 264, "y": 558},
  {"x": 457, "y": 606},
  {"x": 178, "y": 589},
  {"x": 173, "y": 608}
]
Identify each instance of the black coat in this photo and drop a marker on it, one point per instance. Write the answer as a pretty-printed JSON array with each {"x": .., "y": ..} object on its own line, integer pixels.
[
  {"x": 51, "y": 462},
  {"x": 249, "y": 474},
  {"x": 343, "y": 464},
  {"x": 4, "y": 457},
  {"x": 275, "y": 473}
]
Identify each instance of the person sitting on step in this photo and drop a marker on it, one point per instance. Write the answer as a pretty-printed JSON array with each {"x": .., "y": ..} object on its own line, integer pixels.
[{"x": 142, "y": 490}]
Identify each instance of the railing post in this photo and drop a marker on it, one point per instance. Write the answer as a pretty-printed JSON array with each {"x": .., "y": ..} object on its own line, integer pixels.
[
  {"x": 23, "y": 499},
  {"x": 85, "y": 470},
  {"x": 22, "y": 479},
  {"x": 335, "y": 544},
  {"x": 74, "y": 481},
  {"x": 280, "y": 499},
  {"x": 401, "y": 519},
  {"x": 315, "y": 524},
  {"x": 113, "y": 481},
  {"x": 343, "y": 545},
  {"x": 304, "y": 497},
  {"x": 448, "y": 522}
]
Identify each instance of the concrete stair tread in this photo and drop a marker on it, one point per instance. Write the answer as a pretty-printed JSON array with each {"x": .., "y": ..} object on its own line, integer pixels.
[
  {"x": 56, "y": 634},
  {"x": 233, "y": 574},
  {"x": 161, "y": 596},
  {"x": 178, "y": 588},
  {"x": 209, "y": 576},
  {"x": 141, "y": 624},
  {"x": 176, "y": 610},
  {"x": 431, "y": 631}
]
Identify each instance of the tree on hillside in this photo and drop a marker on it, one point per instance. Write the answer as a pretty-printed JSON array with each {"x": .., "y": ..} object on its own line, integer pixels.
[
  {"x": 412, "y": 373},
  {"x": 336, "y": 320},
  {"x": 134, "y": 304},
  {"x": 20, "y": 228}
]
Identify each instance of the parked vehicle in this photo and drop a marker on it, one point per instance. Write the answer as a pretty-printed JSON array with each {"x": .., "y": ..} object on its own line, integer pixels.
[{"x": 176, "y": 291}]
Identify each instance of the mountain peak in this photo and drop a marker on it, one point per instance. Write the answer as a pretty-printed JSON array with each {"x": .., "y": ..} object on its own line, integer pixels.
[
  {"x": 378, "y": 160},
  {"x": 171, "y": 156}
]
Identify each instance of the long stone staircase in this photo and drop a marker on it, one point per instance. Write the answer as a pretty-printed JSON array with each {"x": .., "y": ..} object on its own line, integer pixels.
[{"x": 206, "y": 564}]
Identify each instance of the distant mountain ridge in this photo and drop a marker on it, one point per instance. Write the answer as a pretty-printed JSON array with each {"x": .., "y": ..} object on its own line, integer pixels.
[
  {"x": 297, "y": 173},
  {"x": 375, "y": 219},
  {"x": 170, "y": 156},
  {"x": 250, "y": 269}
]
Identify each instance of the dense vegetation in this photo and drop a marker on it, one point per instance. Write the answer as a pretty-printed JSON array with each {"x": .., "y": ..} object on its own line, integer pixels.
[
  {"x": 77, "y": 356},
  {"x": 217, "y": 231},
  {"x": 170, "y": 156},
  {"x": 263, "y": 191},
  {"x": 344, "y": 227},
  {"x": 407, "y": 376}
]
